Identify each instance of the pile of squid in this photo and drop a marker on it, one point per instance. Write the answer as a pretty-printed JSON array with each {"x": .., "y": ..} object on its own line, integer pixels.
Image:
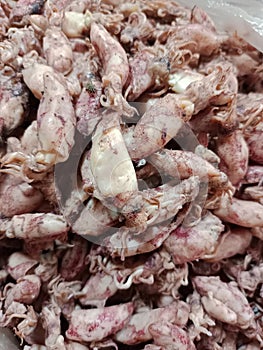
[{"x": 131, "y": 173}]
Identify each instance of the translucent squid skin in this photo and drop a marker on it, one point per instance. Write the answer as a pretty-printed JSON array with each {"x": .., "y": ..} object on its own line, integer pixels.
[
  {"x": 184, "y": 164},
  {"x": 137, "y": 329},
  {"x": 56, "y": 122},
  {"x": 241, "y": 212},
  {"x": 115, "y": 65},
  {"x": 233, "y": 242},
  {"x": 25, "y": 7},
  {"x": 88, "y": 108},
  {"x": 163, "y": 333},
  {"x": 230, "y": 305},
  {"x": 155, "y": 206},
  {"x": 96, "y": 324},
  {"x": 38, "y": 226},
  {"x": 60, "y": 60},
  {"x": 254, "y": 174},
  {"x": 19, "y": 264},
  {"x": 156, "y": 131},
  {"x": 255, "y": 145},
  {"x": 25, "y": 291},
  {"x": 18, "y": 197},
  {"x": 185, "y": 243},
  {"x": 234, "y": 154},
  {"x": 14, "y": 100}
]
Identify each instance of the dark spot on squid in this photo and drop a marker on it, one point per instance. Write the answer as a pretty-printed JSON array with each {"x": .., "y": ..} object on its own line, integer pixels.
[
  {"x": 91, "y": 88},
  {"x": 166, "y": 61},
  {"x": 163, "y": 136},
  {"x": 36, "y": 7}
]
